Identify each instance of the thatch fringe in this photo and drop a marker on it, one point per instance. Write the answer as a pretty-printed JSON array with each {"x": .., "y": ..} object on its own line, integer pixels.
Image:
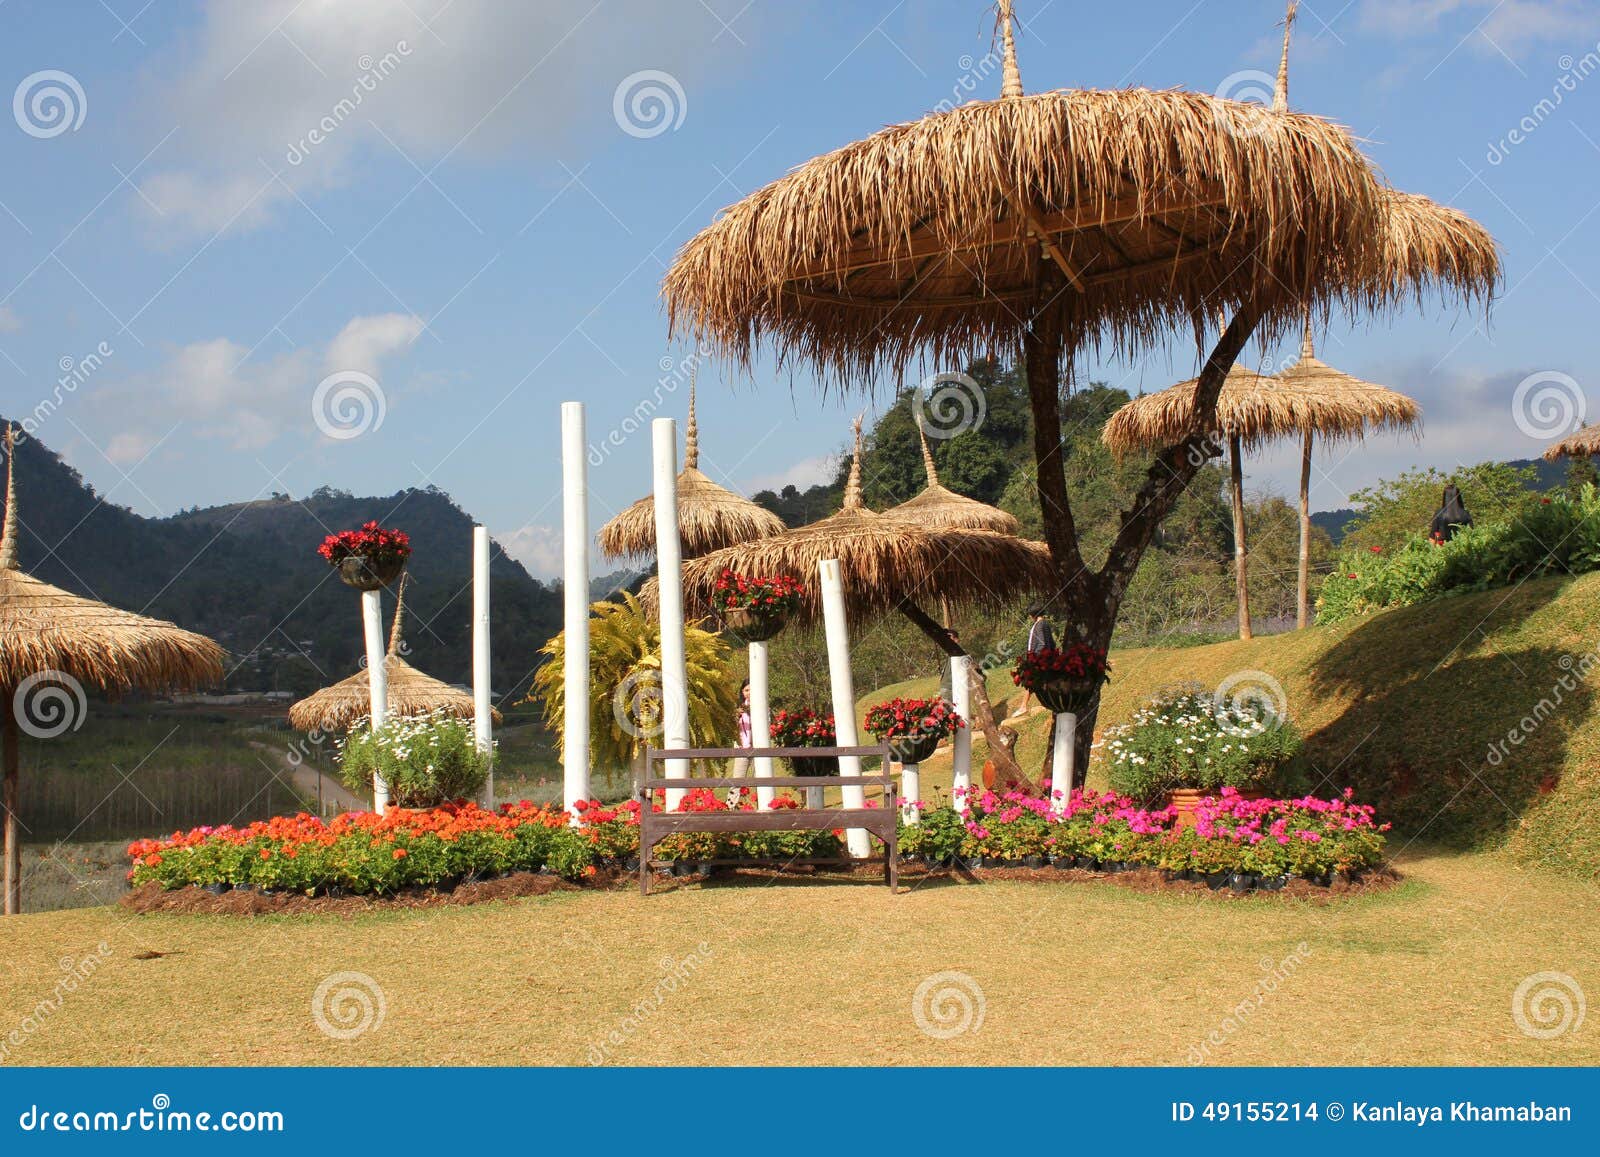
[{"x": 1579, "y": 444}]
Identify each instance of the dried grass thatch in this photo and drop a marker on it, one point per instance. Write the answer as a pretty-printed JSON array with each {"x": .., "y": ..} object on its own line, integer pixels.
[
  {"x": 339, "y": 707},
  {"x": 709, "y": 516},
  {"x": 942, "y": 508},
  {"x": 43, "y": 628},
  {"x": 945, "y": 236},
  {"x": 885, "y": 561},
  {"x": 1578, "y": 444}
]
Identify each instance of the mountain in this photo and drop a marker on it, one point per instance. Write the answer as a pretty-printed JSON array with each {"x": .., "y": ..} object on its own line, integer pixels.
[{"x": 248, "y": 575}]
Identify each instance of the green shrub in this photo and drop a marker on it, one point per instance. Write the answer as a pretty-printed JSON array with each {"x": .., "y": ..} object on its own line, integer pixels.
[
  {"x": 425, "y": 760},
  {"x": 1188, "y": 738}
]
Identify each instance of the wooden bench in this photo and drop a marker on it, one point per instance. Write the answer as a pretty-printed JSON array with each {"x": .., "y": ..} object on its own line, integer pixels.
[{"x": 880, "y": 821}]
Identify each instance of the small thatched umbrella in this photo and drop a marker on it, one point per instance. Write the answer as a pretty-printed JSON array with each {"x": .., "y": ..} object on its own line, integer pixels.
[
  {"x": 49, "y": 637},
  {"x": 338, "y": 707},
  {"x": 1582, "y": 443},
  {"x": 709, "y": 516},
  {"x": 888, "y": 564},
  {"x": 939, "y": 506}
]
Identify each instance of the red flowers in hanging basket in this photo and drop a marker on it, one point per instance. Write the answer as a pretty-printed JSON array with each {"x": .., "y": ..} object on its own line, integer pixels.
[
  {"x": 775, "y": 595},
  {"x": 802, "y": 727},
  {"x": 916, "y": 718},
  {"x": 1075, "y": 661},
  {"x": 372, "y": 542}
]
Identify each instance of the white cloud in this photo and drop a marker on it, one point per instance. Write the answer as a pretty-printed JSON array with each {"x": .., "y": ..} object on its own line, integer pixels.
[
  {"x": 9, "y": 321},
  {"x": 803, "y": 474},
  {"x": 539, "y": 548},
  {"x": 1491, "y": 26},
  {"x": 365, "y": 341},
  {"x": 300, "y": 89}
]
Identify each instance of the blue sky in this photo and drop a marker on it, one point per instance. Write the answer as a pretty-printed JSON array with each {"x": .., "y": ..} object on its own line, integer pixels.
[{"x": 483, "y": 237}]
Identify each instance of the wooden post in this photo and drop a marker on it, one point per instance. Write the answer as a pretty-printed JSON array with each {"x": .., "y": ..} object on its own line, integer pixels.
[
  {"x": 482, "y": 710},
  {"x": 837, "y": 626},
  {"x": 761, "y": 721},
  {"x": 1240, "y": 578},
  {"x": 669, "y": 571},
  {"x": 377, "y": 681},
  {"x": 1302, "y": 611},
  {"x": 961, "y": 743},
  {"x": 575, "y": 604},
  {"x": 1063, "y": 760},
  {"x": 9, "y": 800}
]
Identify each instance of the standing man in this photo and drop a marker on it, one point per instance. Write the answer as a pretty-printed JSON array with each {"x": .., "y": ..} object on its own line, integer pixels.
[{"x": 1040, "y": 638}]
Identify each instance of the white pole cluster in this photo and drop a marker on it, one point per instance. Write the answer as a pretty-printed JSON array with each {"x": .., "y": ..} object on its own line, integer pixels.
[
  {"x": 377, "y": 680},
  {"x": 575, "y": 543},
  {"x": 669, "y": 579},
  {"x": 844, "y": 697},
  {"x": 761, "y": 721},
  {"x": 482, "y": 711}
]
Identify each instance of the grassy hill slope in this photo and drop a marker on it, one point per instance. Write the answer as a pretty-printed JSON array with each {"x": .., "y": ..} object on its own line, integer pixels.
[{"x": 1471, "y": 721}]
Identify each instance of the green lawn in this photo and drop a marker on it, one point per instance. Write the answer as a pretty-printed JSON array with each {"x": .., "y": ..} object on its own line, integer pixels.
[{"x": 827, "y": 973}]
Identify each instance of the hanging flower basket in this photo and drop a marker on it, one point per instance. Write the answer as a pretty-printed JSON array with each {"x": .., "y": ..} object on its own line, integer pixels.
[
  {"x": 817, "y": 766},
  {"x": 1067, "y": 679},
  {"x": 913, "y": 748},
  {"x": 803, "y": 727},
  {"x": 1068, "y": 696},
  {"x": 369, "y": 558},
  {"x": 753, "y": 609},
  {"x": 913, "y": 727}
]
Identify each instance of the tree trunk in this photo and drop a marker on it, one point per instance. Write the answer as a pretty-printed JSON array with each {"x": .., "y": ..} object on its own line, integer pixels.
[
  {"x": 8, "y": 800},
  {"x": 1241, "y": 578},
  {"x": 1302, "y": 607},
  {"x": 1005, "y": 766}
]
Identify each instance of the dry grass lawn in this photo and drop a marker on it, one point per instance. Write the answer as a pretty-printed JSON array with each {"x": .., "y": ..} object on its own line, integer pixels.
[{"x": 825, "y": 973}]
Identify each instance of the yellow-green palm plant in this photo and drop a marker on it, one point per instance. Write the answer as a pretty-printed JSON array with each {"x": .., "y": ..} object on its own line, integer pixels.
[{"x": 625, "y": 685}]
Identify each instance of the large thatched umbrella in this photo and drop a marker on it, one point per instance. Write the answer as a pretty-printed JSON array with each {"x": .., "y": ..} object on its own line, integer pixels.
[
  {"x": 888, "y": 564},
  {"x": 1581, "y": 443},
  {"x": 709, "y": 516},
  {"x": 1043, "y": 224},
  {"x": 411, "y": 692},
  {"x": 53, "y": 642}
]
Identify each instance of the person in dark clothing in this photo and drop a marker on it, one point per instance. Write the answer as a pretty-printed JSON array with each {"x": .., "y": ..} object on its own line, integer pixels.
[
  {"x": 1040, "y": 638},
  {"x": 1452, "y": 516}
]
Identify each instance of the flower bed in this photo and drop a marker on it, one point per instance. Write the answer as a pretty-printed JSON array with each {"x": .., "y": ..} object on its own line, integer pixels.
[{"x": 1191, "y": 738}]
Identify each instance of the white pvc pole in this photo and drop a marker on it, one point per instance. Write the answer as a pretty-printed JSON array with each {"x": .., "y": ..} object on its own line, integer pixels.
[
  {"x": 844, "y": 695},
  {"x": 1062, "y": 759},
  {"x": 482, "y": 712},
  {"x": 669, "y": 580},
  {"x": 575, "y": 579},
  {"x": 377, "y": 680},
  {"x": 961, "y": 745},
  {"x": 911, "y": 792},
  {"x": 761, "y": 722}
]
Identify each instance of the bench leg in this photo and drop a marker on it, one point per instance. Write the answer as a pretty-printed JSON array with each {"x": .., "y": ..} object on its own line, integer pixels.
[{"x": 644, "y": 867}]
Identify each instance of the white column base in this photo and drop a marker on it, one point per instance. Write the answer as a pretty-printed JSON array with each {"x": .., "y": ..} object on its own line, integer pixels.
[
  {"x": 961, "y": 744},
  {"x": 761, "y": 723},
  {"x": 911, "y": 792},
  {"x": 377, "y": 680},
  {"x": 1063, "y": 756}
]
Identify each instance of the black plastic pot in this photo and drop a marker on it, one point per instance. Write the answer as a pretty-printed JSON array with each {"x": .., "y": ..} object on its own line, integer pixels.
[
  {"x": 1068, "y": 695},
  {"x": 356, "y": 571},
  {"x": 1033, "y": 861},
  {"x": 1217, "y": 880},
  {"x": 631, "y": 864},
  {"x": 1242, "y": 882},
  {"x": 913, "y": 748},
  {"x": 218, "y": 889},
  {"x": 749, "y": 626},
  {"x": 1273, "y": 883}
]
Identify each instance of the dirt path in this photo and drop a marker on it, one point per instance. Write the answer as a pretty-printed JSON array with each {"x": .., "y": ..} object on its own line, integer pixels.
[{"x": 313, "y": 784}]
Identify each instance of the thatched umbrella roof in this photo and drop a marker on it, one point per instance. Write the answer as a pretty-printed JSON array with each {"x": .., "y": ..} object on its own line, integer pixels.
[
  {"x": 941, "y": 507},
  {"x": 411, "y": 692},
  {"x": 47, "y": 633},
  {"x": 1578, "y": 444},
  {"x": 885, "y": 560},
  {"x": 709, "y": 516}
]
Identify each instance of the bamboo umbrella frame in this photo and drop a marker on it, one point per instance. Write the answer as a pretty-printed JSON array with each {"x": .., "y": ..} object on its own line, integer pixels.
[
  {"x": 411, "y": 692},
  {"x": 710, "y": 517},
  {"x": 49, "y": 637}
]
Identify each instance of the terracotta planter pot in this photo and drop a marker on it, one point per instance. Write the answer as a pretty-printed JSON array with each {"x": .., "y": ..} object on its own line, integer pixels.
[
  {"x": 1186, "y": 802},
  {"x": 750, "y": 626},
  {"x": 913, "y": 748},
  {"x": 356, "y": 571},
  {"x": 1068, "y": 695}
]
